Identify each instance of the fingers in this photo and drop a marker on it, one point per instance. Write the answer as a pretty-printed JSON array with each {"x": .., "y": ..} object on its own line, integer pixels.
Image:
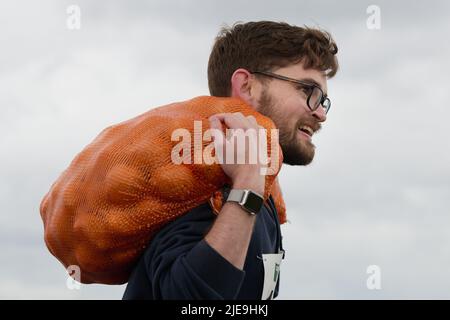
[
  {"x": 239, "y": 143},
  {"x": 215, "y": 123},
  {"x": 237, "y": 120},
  {"x": 253, "y": 121},
  {"x": 233, "y": 120}
]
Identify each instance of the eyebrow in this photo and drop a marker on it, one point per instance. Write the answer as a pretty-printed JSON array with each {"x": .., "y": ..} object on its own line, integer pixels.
[{"x": 312, "y": 81}]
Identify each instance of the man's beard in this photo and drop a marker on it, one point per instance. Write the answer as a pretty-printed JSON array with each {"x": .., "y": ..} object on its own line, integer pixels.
[{"x": 295, "y": 151}]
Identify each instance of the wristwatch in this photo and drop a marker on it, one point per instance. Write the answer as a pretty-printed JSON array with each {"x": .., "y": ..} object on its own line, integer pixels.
[{"x": 250, "y": 201}]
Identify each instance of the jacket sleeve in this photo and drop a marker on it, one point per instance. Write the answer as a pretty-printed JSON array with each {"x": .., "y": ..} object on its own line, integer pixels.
[{"x": 181, "y": 264}]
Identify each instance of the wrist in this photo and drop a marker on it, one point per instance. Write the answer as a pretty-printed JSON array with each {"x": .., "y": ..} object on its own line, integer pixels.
[{"x": 253, "y": 183}]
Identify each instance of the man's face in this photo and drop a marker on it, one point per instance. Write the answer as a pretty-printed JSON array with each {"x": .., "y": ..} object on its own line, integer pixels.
[{"x": 286, "y": 104}]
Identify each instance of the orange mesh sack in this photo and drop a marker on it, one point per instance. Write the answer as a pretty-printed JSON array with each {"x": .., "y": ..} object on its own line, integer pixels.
[{"x": 103, "y": 210}]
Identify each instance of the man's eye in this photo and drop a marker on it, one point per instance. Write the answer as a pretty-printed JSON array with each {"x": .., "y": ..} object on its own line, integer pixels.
[{"x": 305, "y": 90}]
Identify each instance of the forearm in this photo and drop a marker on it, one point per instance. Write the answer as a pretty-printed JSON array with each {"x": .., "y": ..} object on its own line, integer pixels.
[{"x": 231, "y": 232}]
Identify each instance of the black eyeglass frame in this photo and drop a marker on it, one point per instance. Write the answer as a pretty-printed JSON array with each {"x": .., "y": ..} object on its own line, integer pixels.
[{"x": 323, "y": 97}]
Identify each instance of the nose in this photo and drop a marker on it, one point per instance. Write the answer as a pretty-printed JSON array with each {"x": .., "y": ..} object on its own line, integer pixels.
[{"x": 320, "y": 114}]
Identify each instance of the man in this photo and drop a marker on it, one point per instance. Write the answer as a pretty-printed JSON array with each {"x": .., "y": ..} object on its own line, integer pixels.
[{"x": 281, "y": 71}]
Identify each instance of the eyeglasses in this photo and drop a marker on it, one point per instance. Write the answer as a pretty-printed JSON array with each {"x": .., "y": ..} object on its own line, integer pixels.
[{"x": 315, "y": 95}]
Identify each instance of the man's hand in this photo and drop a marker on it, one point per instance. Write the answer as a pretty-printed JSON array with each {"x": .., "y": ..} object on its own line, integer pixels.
[{"x": 243, "y": 175}]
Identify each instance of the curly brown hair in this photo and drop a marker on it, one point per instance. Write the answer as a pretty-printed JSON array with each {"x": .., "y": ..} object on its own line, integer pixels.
[{"x": 264, "y": 45}]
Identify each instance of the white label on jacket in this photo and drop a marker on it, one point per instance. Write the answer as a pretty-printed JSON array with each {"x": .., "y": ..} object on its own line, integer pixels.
[{"x": 272, "y": 262}]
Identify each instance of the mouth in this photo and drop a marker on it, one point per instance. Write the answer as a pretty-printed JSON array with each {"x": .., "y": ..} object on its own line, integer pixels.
[{"x": 306, "y": 131}]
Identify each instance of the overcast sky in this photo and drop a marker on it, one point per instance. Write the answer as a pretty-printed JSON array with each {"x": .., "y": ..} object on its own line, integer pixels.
[{"x": 377, "y": 193}]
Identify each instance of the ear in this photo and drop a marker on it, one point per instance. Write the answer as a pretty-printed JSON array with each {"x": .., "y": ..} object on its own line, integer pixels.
[{"x": 242, "y": 86}]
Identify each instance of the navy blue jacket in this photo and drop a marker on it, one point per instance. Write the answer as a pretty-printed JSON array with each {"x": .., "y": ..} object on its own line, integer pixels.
[{"x": 179, "y": 263}]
